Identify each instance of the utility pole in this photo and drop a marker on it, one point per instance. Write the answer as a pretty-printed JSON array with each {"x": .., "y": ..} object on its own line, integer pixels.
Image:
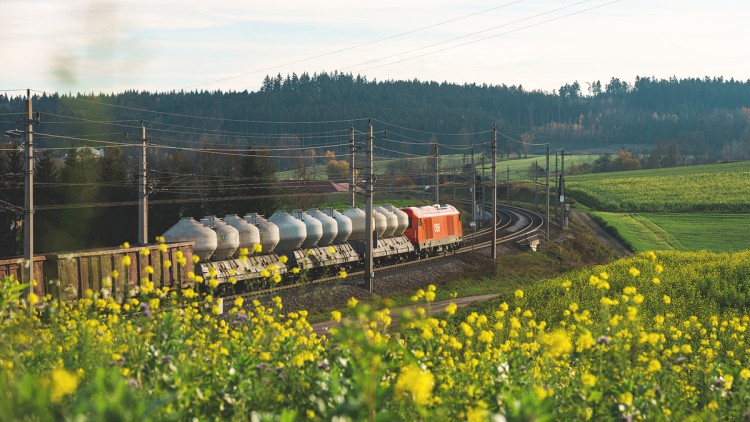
[
  {"x": 28, "y": 226},
  {"x": 437, "y": 172},
  {"x": 507, "y": 190},
  {"x": 142, "y": 191},
  {"x": 351, "y": 163},
  {"x": 455, "y": 178},
  {"x": 493, "y": 251},
  {"x": 557, "y": 186},
  {"x": 562, "y": 188},
  {"x": 547, "y": 195},
  {"x": 482, "y": 185},
  {"x": 473, "y": 191},
  {"x": 369, "y": 267},
  {"x": 536, "y": 166}
]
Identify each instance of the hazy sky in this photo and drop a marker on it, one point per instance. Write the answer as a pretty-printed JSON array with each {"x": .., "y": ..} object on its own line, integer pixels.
[{"x": 115, "y": 45}]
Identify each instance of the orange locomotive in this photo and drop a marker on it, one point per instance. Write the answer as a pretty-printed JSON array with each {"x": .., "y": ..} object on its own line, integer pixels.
[{"x": 434, "y": 228}]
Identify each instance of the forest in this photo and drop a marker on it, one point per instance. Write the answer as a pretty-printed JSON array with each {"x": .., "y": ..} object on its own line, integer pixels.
[{"x": 214, "y": 144}]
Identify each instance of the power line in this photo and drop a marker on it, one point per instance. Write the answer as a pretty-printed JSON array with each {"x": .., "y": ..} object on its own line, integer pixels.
[
  {"x": 358, "y": 45},
  {"x": 485, "y": 38}
]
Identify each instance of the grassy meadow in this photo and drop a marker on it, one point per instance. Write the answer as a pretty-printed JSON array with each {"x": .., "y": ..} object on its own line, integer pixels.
[
  {"x": 682, "y": 232},
  {"x": 684, "y": 208}
]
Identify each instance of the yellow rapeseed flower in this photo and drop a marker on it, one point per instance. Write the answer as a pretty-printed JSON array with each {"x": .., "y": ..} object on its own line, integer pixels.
[
  {"x": 126, "y": 245},
  {"x": 196, "y": 258},
  {"x": 64, "y": 383},
  {"x": 518, "y": 294},
  {"x": 213, "y": 283},
  {"x": 283, "y": 259},
  {"x": 634, "y": 272},
  {"x": 162, "y": 248},
  {"x": 126, "y": 261},
  {"x": 295, "y": 270},
  {"x": 342, "y": 274},
  {"x": 626, "y": 398},
  {"x": 336, "y": 316},
  {"x": 276, "y": 278},
  {"x": 588, "y": 379},
  {"x": 451, "y": 308},
  {"x": 415, "y": 383},
  {"x": 257, "y": 248},
  {"x": 585, "y": 341},
  {"x": 728, "y": 380},
  {"x": 557, "y": 342},
  {"x": 654, "y": 365},
  {"x": 352, "y": 302},
  {"x": 667, "y": 299},
  {"x": 144, "y": 252},
  {"x": 32, "y": 298},
  {"x": 745, "y": 374}
]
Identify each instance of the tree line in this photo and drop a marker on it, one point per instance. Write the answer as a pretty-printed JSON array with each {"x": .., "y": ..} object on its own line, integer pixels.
[{"x": 655, "y": 122}]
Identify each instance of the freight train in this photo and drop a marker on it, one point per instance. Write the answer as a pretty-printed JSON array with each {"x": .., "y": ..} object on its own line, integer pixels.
[
  {"x": 317, "y": 242},
  {"x": 254, "y": 251}
]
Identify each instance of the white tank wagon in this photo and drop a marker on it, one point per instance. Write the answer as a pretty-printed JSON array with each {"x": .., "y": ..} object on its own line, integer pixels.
[
  {"x": 249, "y": 234},
  {"x": 227, "y": 237},
  {"x": 381, "y": 223},
  {"x": 327, "y": 255},
  {"x": 403, "y": 219},
  {"x": 218, "y": 246},
  {"x": 328, "y": 224},
  {"x": 292, "y": 232},
  {"x": 189, "y": 230},
  {"x": 269, "y": 232},
  {"x": 391, "y": 222},
  {"x": 357, "y": 217},
  {"x": 344, "y": 224}
]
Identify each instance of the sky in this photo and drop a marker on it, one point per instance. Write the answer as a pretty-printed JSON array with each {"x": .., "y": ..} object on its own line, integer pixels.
[{"x": 109, "y": 46}]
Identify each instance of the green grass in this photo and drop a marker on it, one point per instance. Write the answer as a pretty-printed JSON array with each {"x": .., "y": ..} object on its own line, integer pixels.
[
  {"x": 716, "y": 188},
  {"x": 518, "y": 166},
  {"x": 682, "y": 232}
]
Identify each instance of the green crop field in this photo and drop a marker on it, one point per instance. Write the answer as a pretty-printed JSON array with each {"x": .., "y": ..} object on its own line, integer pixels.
[
  {"x": 683, "y": 232},
  {"x": 684, "y": 208},
  {"x": 717, "y": 188}
]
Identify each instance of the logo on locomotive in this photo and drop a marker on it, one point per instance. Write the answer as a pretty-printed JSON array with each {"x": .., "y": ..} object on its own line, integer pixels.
[{"x": 436, "y": 228}]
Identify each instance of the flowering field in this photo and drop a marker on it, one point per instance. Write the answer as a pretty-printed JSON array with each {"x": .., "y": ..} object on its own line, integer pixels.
[{"x": 660, "y": 336}]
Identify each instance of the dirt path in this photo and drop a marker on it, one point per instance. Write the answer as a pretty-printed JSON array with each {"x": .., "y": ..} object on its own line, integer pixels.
[{"x": 614, "y": 244}]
